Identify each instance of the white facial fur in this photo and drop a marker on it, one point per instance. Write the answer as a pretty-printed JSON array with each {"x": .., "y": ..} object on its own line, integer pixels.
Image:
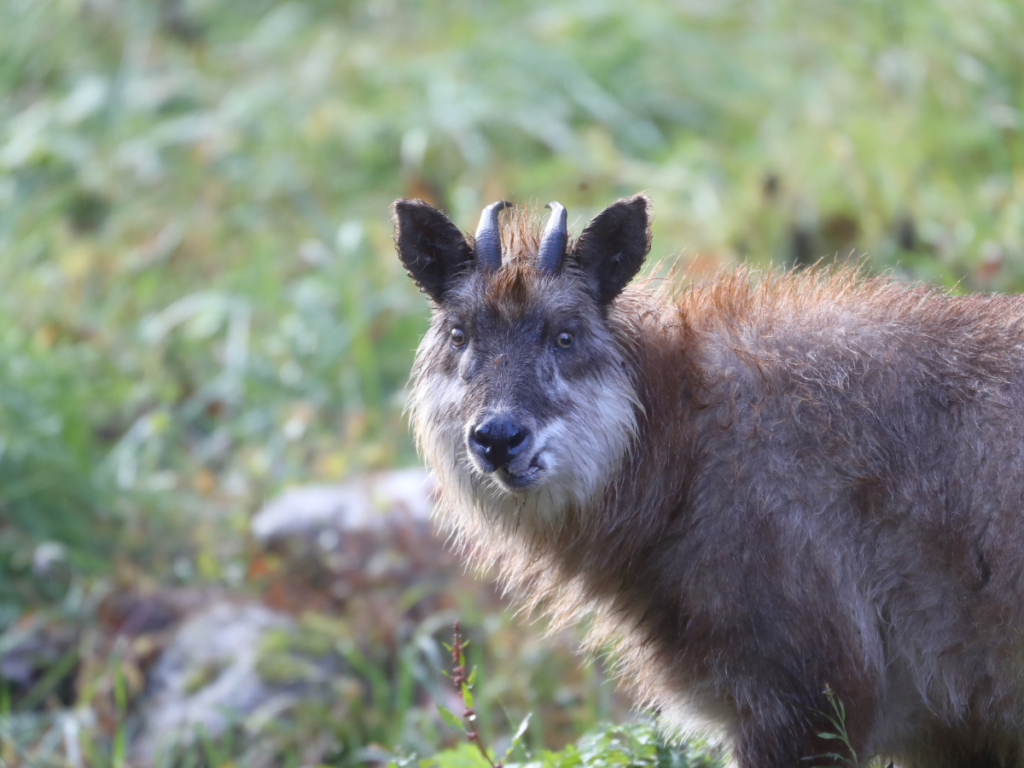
[{"x": 579, "y": 450}]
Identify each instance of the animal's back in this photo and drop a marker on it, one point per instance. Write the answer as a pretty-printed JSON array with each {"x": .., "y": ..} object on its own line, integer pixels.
[{"x": 860, "y": 473}]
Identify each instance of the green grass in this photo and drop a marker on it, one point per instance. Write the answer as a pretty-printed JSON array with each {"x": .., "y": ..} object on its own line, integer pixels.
[
  {"x": 201, "y": 298},
  {"x": 195, "y": 194}
]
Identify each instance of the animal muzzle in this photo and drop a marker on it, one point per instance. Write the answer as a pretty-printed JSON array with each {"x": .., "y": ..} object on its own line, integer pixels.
[{"x": 500, "y": 441}]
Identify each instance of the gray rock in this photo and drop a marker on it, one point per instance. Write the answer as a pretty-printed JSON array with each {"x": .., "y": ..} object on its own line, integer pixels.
[
  {"x": 206, "y": 679},
  {"x": 369, "y": 503}
]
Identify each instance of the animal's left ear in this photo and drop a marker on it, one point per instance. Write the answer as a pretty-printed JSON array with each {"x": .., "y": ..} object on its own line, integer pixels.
[
  {"x": 432, "y": 249},
  {"x": 613, "y": 245}
]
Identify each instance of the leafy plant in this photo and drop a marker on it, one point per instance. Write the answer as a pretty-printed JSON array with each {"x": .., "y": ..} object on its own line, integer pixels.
[
  {"x": 463, "y": 683},
  {"x": 635, "y": 745},
  {"x": 607, "y": 746},
  {"x": 837, "y": 719}
]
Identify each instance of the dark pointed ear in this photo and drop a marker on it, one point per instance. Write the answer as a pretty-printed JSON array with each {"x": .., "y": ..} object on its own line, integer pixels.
[
  {"x": 613, "y": 245},
  {"x": 432, "y": 249}
]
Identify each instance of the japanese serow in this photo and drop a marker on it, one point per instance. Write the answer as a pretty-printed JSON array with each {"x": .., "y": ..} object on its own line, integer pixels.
[{"x": 759, "y": 489}]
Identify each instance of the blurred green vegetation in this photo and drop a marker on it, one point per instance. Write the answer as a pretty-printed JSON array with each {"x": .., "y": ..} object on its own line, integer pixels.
[
  {"x": 193, "y": 195},
  {"x": 201, "y": 299},
  {"x": 636, "y": 745}
]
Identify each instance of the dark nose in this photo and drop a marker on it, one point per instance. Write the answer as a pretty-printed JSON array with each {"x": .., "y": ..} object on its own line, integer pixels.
[{"x": 496, "y": 440}]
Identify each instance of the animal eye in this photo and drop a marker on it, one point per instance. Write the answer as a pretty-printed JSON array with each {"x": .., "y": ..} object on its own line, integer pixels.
[
  {"x": 564, "y": 340},
  {"x": 458, "y": 337}
]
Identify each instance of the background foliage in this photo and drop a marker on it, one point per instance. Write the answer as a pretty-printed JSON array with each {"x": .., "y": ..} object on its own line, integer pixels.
[{"x": 201, "y": 302}]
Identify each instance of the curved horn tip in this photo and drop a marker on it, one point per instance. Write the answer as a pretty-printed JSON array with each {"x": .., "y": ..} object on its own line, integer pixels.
[
  {"x": 488, "y": 240},
  {"x": 489, "y": 215},
  {"x": 554, "y": 240}
]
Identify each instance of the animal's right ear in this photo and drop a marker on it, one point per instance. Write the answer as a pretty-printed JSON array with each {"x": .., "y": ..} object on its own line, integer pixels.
[{"x": 432, "y": 249}]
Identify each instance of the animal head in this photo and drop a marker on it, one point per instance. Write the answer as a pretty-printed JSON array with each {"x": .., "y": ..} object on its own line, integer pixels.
[{"x": 525, "y": 401}]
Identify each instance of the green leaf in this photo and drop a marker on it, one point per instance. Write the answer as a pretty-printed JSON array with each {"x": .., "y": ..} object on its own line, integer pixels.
[
  {"x": 467, "y": 696},
  {"x": 519, "y": 732},
  {"x": 449, "y": 718}
]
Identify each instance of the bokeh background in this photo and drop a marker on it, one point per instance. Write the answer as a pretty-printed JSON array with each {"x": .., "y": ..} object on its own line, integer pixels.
[{"x": 202, "y": 309}]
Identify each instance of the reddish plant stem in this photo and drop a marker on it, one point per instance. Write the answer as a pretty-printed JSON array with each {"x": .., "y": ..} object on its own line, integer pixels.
[{"x": 459, "y": 677}]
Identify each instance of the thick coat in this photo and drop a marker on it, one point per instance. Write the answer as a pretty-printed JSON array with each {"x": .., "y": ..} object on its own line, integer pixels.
[{"x": 757, "y": 487}]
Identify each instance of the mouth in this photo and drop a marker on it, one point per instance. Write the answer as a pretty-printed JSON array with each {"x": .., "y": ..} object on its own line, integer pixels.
[{"x": 518, "y": 481}]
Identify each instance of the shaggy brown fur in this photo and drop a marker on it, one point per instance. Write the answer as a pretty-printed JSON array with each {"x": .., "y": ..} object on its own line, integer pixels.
[{"x": 820, "y": 481}]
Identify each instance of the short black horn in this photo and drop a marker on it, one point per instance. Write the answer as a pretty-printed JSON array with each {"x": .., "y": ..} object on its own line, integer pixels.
[
  {"x": 487, "y": 245},
  {"x": 553, "y": 241}
]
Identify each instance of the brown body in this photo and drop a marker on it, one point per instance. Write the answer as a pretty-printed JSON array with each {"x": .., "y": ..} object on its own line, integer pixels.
[{"x": 813, "y": 480}]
